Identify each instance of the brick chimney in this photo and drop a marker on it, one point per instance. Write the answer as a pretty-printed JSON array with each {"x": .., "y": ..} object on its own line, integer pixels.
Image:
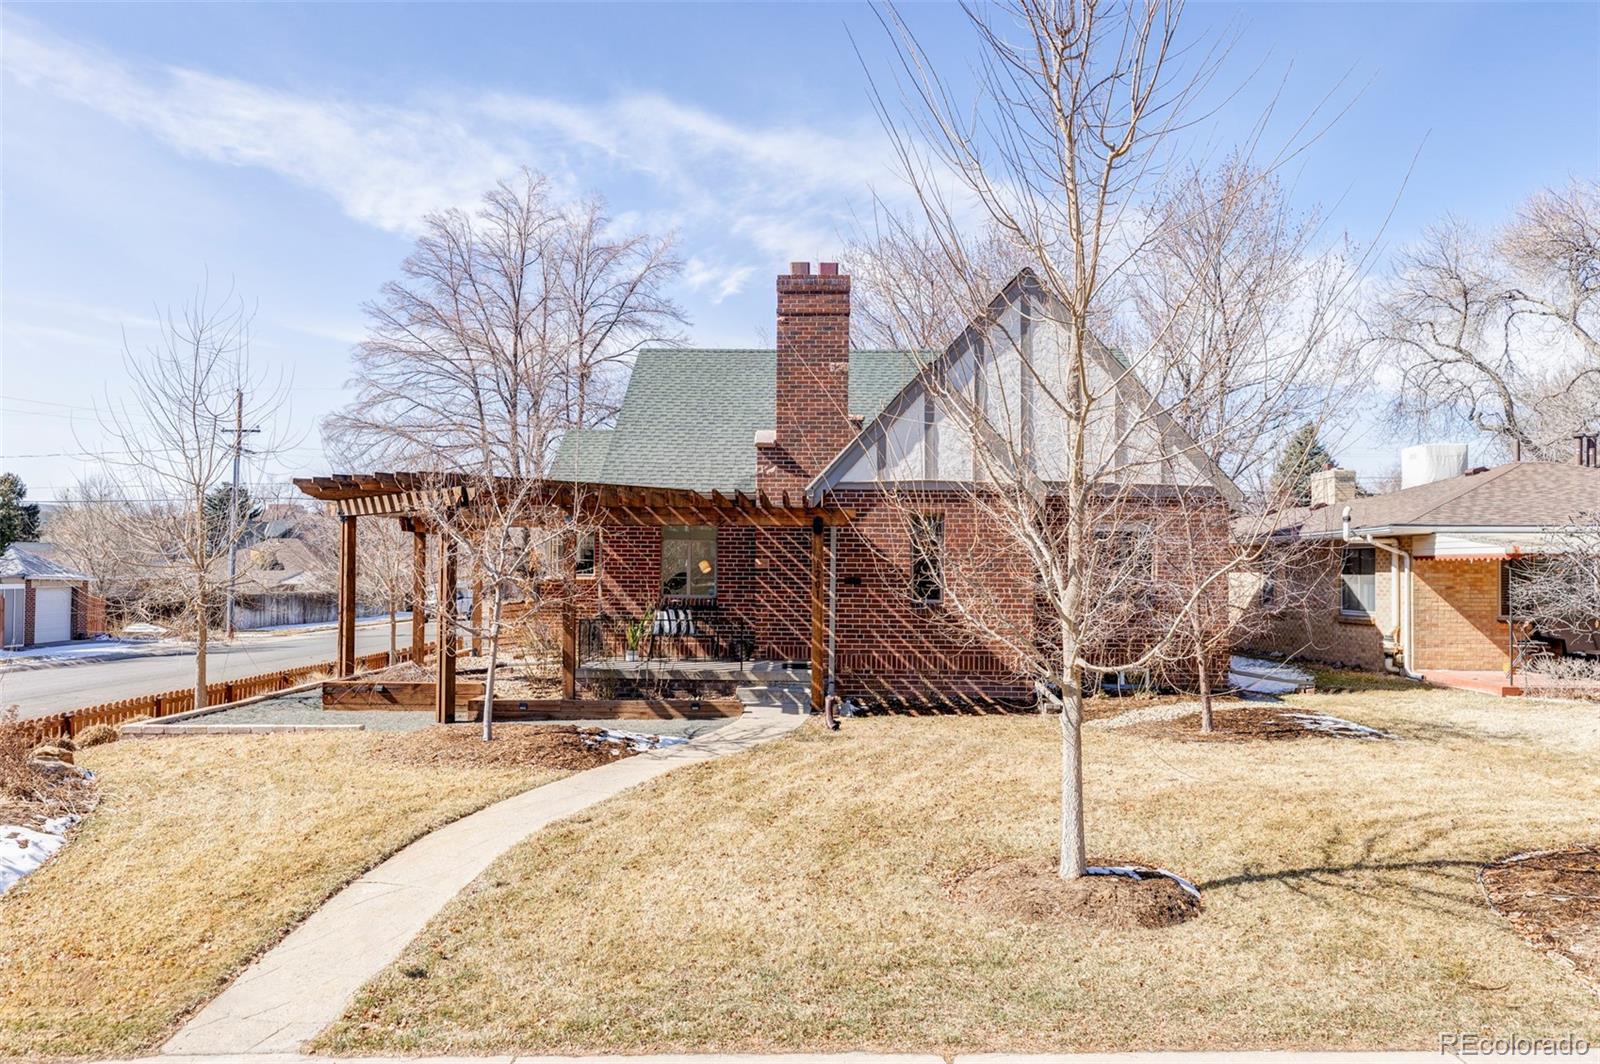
[
  {"x": 1588, "y": 450},
  {"x": 1333, "y": 487},
  {"x": 813, "y": 396}
]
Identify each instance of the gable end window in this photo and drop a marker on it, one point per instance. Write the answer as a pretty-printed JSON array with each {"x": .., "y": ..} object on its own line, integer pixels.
[
  {"x": 689, "y": 561},
  {"x": 1358, "y": 593},
  {"x": 927, "y": 557}
]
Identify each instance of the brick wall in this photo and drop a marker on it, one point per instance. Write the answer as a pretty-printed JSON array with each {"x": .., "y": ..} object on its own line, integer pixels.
[
  {"x": 813, "y": 378},
  {"x": 1457, "y": 609},
  {"x": 27, "y": 615},
  {"x": 1306, "y": 621}
]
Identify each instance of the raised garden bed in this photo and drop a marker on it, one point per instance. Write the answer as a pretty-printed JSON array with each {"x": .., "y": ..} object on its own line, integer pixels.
[
  {"x": 510, "y": 709},
  {"x": 412, "y": 695}
]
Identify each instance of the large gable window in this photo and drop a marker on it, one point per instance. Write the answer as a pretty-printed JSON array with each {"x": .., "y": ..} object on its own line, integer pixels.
[
  {"x": 689, "y": 561},
  {"x": 1358, "y": 595}
]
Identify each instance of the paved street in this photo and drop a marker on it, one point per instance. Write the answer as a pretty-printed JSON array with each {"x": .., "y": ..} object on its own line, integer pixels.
[{"x": 37, "y": 692}]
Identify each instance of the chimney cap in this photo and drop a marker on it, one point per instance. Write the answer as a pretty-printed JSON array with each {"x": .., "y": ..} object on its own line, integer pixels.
[
  {"x": 828, "y": 269},
  {"x": 800, "y": 269}
]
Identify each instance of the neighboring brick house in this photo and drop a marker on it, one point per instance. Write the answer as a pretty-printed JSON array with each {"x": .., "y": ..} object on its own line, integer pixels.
[
  {"x": 1420, "y": 578},
  {"x": 814, "y": 419},
  {"x": 43, "y": 601}
]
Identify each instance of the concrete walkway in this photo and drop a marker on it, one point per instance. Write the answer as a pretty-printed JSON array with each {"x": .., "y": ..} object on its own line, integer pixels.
[{"x": 305, "y": 983}]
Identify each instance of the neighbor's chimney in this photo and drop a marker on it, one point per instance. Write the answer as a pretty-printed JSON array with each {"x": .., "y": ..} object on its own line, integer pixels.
[
  {"x": 1589, "y": 450},
  {"x": 1331, "y": 487},
  {"x": 813, "y": 393}
]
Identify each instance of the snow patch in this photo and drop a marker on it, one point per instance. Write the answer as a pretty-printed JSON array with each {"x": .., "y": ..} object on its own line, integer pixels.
[
  {"x": 1322, "y": 722},
  {"x": 23, "y": 849},
  {"x": 638, "y": 742},
  {"x": 1134, "y": 872}
]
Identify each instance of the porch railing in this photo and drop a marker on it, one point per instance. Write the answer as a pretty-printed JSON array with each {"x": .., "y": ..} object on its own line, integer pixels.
[{"x": 673, "y": 633}]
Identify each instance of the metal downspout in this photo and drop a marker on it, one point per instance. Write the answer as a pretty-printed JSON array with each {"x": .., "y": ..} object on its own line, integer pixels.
[
  {"x": 1406, "y": 618},
  {"x": 833, "y": 597}
]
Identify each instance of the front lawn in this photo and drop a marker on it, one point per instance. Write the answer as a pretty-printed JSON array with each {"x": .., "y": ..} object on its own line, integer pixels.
[
  {"x": 798, "y": 897},
  {"x": 204, "y": 851}
]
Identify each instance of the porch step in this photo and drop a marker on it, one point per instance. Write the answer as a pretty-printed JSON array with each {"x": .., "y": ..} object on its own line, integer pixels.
[{"x": 789, "y": 697}]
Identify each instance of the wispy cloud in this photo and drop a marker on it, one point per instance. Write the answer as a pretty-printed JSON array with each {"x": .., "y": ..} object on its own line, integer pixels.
[{"x": 772, "y": 192}]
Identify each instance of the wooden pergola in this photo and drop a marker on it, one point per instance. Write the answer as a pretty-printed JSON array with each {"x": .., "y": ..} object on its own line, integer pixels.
[{"x": 411, "y": 497}]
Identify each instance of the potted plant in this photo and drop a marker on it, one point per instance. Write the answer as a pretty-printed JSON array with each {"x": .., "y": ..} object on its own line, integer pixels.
[{"x": 632, "y": 635}]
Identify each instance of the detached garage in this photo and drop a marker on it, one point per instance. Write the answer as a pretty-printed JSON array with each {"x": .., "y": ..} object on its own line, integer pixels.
[{"x": 44, "y": 602}]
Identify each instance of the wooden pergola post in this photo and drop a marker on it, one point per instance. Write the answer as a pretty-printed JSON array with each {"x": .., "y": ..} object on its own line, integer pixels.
[
  {"x": 419, "y": 593},
  {"x": 819, "y": 619},
  {"x": 346, "y": 661},
  {"x": 445, "y": 627},
  {"x": 569, "y": 649}
]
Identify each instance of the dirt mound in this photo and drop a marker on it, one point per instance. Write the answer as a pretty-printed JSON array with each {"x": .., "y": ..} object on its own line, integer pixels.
[
  {"x": 1248, "y": 721},
  {"x": 514, "y": 746},
  {"x": 1552, "y": 899},
  {"x": 1033, "y": 893}
]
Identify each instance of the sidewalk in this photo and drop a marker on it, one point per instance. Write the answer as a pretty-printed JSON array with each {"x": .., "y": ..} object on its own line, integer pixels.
[{"x": 305, "y": 983}]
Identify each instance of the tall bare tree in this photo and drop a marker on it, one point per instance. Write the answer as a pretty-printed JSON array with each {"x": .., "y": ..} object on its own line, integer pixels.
[
  {"x": 460, "y": 355},
  {"x": 1076, "y": 466},
  {"x": 170, "y": 425},
  {"x": 1499, "y": 332},
  {"x": 609, "y": 292}
]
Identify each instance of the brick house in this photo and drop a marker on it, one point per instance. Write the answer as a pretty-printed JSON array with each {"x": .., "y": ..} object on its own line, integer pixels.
[
  {"x": 815, "y": 420},
  {"x": 1419, "y": 579},
  {"x": 43, "y": 601}
]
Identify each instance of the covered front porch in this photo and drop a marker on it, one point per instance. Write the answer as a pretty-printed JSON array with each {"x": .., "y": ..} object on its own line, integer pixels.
[{"x": 688, "y": 640}]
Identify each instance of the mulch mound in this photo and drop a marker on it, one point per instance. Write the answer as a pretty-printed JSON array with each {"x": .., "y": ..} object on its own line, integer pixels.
[
  {"x": 514, "y": 746},
  {"x": 1248, "y": 721},
  {"x": 1033, "y": 893},
  {"x": 1552, "y": 899}
]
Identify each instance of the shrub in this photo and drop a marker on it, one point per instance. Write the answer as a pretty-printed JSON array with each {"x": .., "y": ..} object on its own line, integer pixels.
[{"x": 96, "y": 735}]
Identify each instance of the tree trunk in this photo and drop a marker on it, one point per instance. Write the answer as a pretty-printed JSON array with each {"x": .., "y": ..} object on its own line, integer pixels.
[
  {"x": 1205, "y": 692},
  {"x": 200, "y": 653},
  {"x": 394, "y": 631},
  {"x": 494, "y": 657},
  {"x": 1074, "y": 860}
]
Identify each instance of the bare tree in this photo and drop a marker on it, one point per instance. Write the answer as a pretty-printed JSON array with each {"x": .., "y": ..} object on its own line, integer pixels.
[
  {"x": 385, "y": 568},
  {"x": 519, "y": 546},
  {"x": 905, "y": 294},
  {"x": 460, "y": 356},
  {"x": 95, "y": 530},
  {"x": 1558, "y": 589},
  {"x": 171, "y": 429},
  {"x": 610, "y": 300},
  {"x": 1500, "y": 332},
  {"x": 1075, "y": 465},
  {"x": 509, "y": 326}
]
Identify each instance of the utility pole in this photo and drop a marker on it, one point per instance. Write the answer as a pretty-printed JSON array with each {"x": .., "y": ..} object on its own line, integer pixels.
[{"x": 233, "y": 507}]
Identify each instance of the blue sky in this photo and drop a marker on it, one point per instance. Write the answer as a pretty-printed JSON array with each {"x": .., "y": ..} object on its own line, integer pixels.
[{"x": 290, "y": 150}]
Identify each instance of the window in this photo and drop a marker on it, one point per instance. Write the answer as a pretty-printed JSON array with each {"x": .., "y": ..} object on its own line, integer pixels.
[
  {"x": 1358, "y": 576},
  {"x": 689, "y": 561},
  {"x": 927, "y": 557},
  {"x": 588, "y": 555}
]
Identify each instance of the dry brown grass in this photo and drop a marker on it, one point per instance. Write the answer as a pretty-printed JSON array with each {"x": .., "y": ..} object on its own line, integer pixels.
[
  {"x": 797, "y": 897},
  {"x": 203, "y": 851}
]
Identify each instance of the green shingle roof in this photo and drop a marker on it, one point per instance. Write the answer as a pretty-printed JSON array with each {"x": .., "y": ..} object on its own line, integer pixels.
[{"x": 690, "y": 417}]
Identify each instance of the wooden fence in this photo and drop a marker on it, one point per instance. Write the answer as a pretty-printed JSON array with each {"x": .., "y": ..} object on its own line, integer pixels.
[{"x": 168, "y": 703}]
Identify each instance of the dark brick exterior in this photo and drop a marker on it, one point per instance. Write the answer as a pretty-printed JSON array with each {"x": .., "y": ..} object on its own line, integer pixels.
[{"x": 813, "y": 383}]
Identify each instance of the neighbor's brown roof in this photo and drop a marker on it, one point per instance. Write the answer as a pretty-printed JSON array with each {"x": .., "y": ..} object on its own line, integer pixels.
[{"x": 1515, "y": 495}]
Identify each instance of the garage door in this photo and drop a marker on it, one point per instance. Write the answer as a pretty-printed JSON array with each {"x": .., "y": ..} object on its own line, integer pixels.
[
  {"x": 14, "y": 620},
  {"x": 52, "y": 615}
]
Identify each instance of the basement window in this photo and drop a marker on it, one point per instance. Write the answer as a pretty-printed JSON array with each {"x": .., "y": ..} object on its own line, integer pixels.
[
  {"x": 689, "y": 561},
  {"x": 1358, "y": 593},
  {"x": 927, "y": 557}
]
